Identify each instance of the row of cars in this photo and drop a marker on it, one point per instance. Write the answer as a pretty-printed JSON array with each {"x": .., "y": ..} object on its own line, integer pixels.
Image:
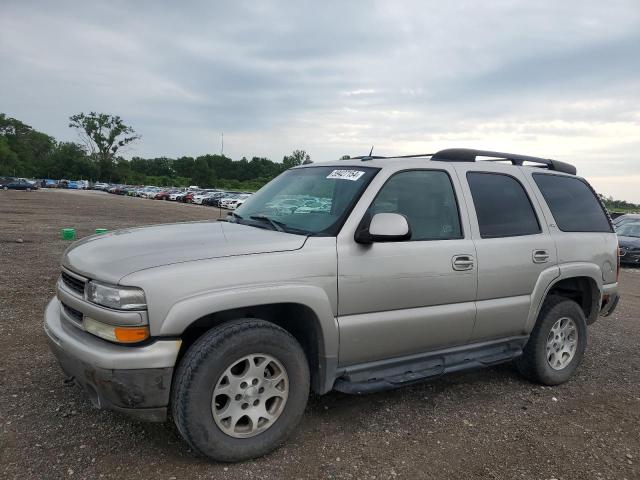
[
  {"x": 200, "y": 196},
  {"x": 628, "y": 230},
  {"x": 13, "y": 183}
]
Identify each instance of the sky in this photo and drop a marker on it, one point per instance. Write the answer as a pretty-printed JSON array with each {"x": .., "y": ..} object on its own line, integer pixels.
[{"x": 545, "y": 78}]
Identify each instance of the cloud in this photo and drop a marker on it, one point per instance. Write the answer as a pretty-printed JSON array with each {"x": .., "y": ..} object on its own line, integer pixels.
[{"x": 549, "y": 78}]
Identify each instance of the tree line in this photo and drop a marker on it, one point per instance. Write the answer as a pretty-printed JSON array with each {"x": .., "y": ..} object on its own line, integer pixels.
[{"x": 26, "y": 152}]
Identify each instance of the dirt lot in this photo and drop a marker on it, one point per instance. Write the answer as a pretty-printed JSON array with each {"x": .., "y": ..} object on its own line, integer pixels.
[{"x": 482, "y": 424}]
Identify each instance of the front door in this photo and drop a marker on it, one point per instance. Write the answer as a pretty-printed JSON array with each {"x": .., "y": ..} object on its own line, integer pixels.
[{"x": 407, "y": 297}]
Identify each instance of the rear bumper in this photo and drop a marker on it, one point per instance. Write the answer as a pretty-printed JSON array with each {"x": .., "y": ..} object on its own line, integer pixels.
[
  {"x": 132, "y": 380},
  {"x": 610, "y": 299}
]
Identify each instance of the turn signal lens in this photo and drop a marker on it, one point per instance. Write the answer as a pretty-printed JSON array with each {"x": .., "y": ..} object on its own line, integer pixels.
[{"x": 131, "y": 334}]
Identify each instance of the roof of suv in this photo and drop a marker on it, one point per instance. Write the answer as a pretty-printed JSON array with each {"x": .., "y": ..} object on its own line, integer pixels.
[{"x": 463, "y": 155}]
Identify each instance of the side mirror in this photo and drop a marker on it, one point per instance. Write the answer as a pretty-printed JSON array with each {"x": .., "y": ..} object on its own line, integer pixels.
[{"x": 384, "y": 227}]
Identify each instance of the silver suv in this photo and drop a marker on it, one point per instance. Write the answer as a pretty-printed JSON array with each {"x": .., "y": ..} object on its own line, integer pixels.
[{"x": 409, "y": 268}]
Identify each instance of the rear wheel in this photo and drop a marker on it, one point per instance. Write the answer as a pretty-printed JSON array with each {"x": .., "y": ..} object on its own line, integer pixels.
[
  {"x": 240, "y": 390},
  {"x": 557, "y": 344}
]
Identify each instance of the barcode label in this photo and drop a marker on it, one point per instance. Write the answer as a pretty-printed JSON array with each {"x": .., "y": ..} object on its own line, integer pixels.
[{"x": 352, "y": 175}]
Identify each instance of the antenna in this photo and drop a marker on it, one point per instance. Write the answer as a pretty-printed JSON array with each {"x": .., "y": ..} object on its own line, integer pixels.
[{"x": 371, "y": 152}]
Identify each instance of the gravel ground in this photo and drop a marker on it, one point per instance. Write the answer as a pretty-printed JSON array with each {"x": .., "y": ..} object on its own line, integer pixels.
[{"x": 481, "y": 424}]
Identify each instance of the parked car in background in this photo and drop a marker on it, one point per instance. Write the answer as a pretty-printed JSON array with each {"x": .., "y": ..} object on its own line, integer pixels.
[
  {"x": 212, "y": 200},
  {"x": 224, "y": 199},
  {"x": 149, "y": 192},
  {"x": 173, "y": 196},
  {"x": 231, "y": 203},
  {"x": 20, "y": 184},
  {"x": 101, "y": 186},
  {"x": 629, "y": 242},
  {"x": 165, "y": 193},
  {"x": 118, "y": 189},
  {"x": 201, "y": 195},
  {"x": 6, "y": 180},
  {"x": 187, "y": 197},
  {"x": 627, "y": 218}
]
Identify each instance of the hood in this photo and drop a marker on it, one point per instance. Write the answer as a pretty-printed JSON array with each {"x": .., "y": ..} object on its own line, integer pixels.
[
  {"x": 628, "y": 241},
  {"x": 111, "y": 256}
]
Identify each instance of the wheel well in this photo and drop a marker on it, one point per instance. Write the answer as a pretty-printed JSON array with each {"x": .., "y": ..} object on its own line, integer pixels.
[
  {"x": 299, "y": 320},
  {"x": 582, "y": 290}
]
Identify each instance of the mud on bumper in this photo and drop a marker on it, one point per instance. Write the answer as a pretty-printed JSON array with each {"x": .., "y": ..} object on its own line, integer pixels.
[
  {"x": 143, "y": 394},
  {"x": 95, "y": 365}
]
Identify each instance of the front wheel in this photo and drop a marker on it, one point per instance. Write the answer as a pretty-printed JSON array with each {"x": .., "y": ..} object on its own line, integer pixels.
[
  {"x": 240, "y": 390},
  {"x": 557, "y": 343}
]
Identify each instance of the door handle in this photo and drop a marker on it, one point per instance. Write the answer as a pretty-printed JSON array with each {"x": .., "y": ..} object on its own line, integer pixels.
[
  {"x": 462, "y": 262},
  {"x": 540, "y": 256}
]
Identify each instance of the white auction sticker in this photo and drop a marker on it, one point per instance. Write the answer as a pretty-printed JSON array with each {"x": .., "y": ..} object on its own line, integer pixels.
[{"x": 352, "y": 175}]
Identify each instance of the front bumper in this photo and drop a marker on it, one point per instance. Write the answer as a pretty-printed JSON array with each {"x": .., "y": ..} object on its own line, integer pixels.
[{"x": 135, "y": 380}]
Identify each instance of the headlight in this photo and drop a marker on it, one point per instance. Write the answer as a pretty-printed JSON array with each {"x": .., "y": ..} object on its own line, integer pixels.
[{"x": 121, "y": 298}]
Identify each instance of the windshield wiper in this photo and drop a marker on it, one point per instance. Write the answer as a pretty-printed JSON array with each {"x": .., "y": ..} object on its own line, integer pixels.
[
  {"x": 234, "y": 215},
  {"x": 278, "y": 226}
]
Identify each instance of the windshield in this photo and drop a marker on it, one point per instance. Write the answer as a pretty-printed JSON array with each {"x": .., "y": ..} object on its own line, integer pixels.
[
  {"x": 309, "y": 200},
  {"x": 629, "y": 230},
  {"x": 621, "y": 220}
]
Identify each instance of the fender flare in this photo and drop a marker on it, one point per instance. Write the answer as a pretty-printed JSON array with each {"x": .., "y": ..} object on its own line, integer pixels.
[
  {"x": 188, "y": 310},
  {"x": 551, "y": 276}
]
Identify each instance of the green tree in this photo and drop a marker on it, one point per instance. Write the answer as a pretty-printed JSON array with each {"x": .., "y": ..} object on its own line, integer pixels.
[
  {"x": 8, "y": 158},
  {"x": 68, "y": 160},
  {"x": 104, "y": 135},
  {"x": 297, "y": 157},
  {"x": 30, "y": 147}
]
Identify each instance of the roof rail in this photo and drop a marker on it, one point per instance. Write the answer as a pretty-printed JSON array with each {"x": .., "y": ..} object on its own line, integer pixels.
[{"x": 469, "y": 155}]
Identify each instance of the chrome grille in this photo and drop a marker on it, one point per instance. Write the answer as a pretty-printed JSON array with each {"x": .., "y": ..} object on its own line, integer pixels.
[{"x": 73, "y": 283}]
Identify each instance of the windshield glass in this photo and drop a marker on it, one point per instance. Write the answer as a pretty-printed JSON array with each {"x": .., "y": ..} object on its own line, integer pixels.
[
  {"x": 621, "y": 220},
  {"x": 309, "y": 200},
  {"x": 629, "y": 230}
]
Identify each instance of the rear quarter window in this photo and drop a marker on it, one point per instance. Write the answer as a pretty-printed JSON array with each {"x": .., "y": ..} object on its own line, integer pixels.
[{"x": 573, "y": 204}]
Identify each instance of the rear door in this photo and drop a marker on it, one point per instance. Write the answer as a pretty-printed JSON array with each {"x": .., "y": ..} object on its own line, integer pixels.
[{"x": 513, "y": 247}]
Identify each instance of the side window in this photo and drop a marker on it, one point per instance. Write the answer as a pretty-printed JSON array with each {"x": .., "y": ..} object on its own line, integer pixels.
[
  {"x": 502, "y": 206},
  {"x": 426, "y": 198},
  {"x": 573, "y": 204}
]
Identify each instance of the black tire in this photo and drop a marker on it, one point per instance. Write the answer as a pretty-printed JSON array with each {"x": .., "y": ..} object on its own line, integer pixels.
[
  {"x": 533, "y": 363},
  {"x": 203, "y": 365}
]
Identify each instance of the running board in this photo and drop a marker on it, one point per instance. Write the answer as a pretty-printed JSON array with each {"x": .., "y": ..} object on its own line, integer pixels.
[{"x": 399, "y": 372}]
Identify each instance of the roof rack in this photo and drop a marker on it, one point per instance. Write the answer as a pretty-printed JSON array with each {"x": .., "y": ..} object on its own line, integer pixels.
[{"x": 469, "y": 155}]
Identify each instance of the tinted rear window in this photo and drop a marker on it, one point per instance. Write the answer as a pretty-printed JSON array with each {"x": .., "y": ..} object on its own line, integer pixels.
[
  {"x": 573, "y": 204},
  {"x": 502, "y": 206}
]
